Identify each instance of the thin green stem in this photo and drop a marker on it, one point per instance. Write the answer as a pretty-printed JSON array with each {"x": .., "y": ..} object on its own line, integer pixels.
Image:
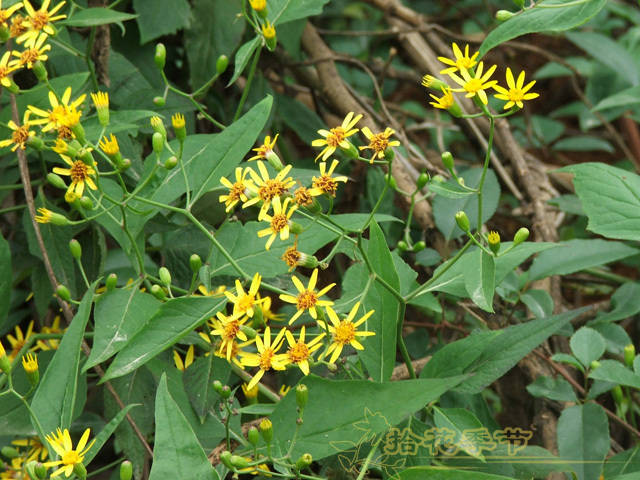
[
  {"x": 400, "y": 341},
  {"x": 484, "y": 170},
  {"x": 247, "y": 86},
  {"x": 367, "y": 460}
]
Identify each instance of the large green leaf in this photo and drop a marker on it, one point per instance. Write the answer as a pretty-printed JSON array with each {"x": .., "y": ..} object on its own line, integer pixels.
[
  {"x": 547, "y": 16},
  {"x": 625, "y": 98},
  {"x": 583, "y": 439},
  {"x": 198, "y": 379},
  {"x": 624, "y": 303},
  {"x": 118, "y": 316},
  {"x": 243, "y": 55},
  {"x": 161, "y": 17},
  {"x": 176, "y": 447},
  {"x": 379, "y": 355},
  {"x": 6, "y": 278},
  {"x": 91, "y": 17},
  {"x": 480, "y": 279},
  {"x": 288, "y": 10},
  {"x": 58, "y": 390},
  {"x": 610, "y": 197},
  {"x": 614, "y": 371},
  {"x": 365, "y": 408},
  {"x": 174, "y": 320},
  {"x": 458, "y": 420},
  {"x": 587, "y": 345}
]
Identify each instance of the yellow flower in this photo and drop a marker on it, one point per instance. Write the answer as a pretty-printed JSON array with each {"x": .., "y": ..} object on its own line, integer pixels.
[
  {"x": 299, "y": 352},
  {"x": 17, "y": 25},
  {"x": 325, "y": 182},
  {"x": 268, "y": 31},
  {"x": 279, "y": 223},
  {"x": 461, "y": 62},
  {"x": 266, "y": 188},
  {"x": 30, "y": 363},
  {"x": 292, "y": 256},
  {"x": 109, "y": 145},
  {"x": 100, "y": 100},
  {"x": 45, "y": 215},
  {"x": 36, "y": 450},
  {"x": 445, "y": 102},
  {"x": 267, "y": 357},
  {"x": 517, "y": 90},
  {"x": 336, "y": 137},
  {"x": 244, "y": 302},
  {"x": 379, "y": 142},
  {"x": 258, "y": 5},
  {"x": 40, "y": 20},
  {"x": 188, "y": 359},
  {"x": 476, "y": 84},
  {"x": 267, "y": 314},
  {"x": 250, "y": 392},
  {"x": 303, "y": 196},
  {"x": 6, "y": 70},
  {"x": 217, "y": 292},
  {"x": 236, "y": 351},
  {"x": 284, "y": 389},
  {"x": 177, "y": 121},
  {"x": 227, "y": 327},
  {"x": 80, "y": 174},
  {"x": 15, "y": 471},
  {"x": 19, "y": 340},
  {"x": 36, "y": 50},
  {"x": 60, "y": 441},
  {"x": 3, "y": 352},
  {"x": 5, "y": 13},
  {"x": 236, "y": 190},
  {"x": 265, "y": 148},
  {"x": 51, "y": 343},
  {"x": 344, "y": 332},
  {"x": 308, "y": 298},
  {"x": 20, "y": 133},
  {"x": 54, "y": 117}
]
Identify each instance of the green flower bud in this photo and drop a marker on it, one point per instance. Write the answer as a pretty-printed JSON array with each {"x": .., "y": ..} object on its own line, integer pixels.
[
  {"x": 225, "y": 391},
  {"x": 434, "y": 83},
  {"x": 274, "y": 160},
  {"x": 418, "y": 246},
  {"x": 302, "y": 395},
  {"x": 248, "y": 331},
  {"x": 295, "y": 228},
  {"x": 126, "y": 163},
  {"x": 5, "y": 364},
  {"x": 56, "y": 181},
  {"x": 165, "y": 276},
  {"x": 521, "y": 235},
  {"x": 239, "y": 462},
  {"x": 351, "y": 151},
  {"x": 447, "y": 160},
  {"x": 304, "y": 461},
  {"x": 253, "y": 436},
  {"x": 438, "y": 179},
  {"x": 159, "y": 101},
  {"x": 171, "y": 162},
  {"x": 389, "y": 154},
  {"x": 391, "y": 181},
  {"x": 126, "y": 470},
  {"x": 217, "y": 386},
  {"x": 160, "y": 57},
  {"x": 158, "y": 292},
  {"x": 30, "y": 468},
  {"x": 78, "y": 131},
  {"x": 225, "y": 458},
  {"x": 5, "y": 33},
  {"x": 80, "y": 470},
  {"x": 13, "y": 88},
  {"x": 40, "y": 70},
  {"x": 75, "y": 248},
  {"x": 493, "y": 239},
  {"x": 9, "y": 452},
  {"x": 266, "y": 430},
  {"x": 503, "y": 15},
  {"x": 195, "y": 262},
  {"x": 157, "y": 141},
  {"x": 616, "y": 393},
  {"x": 422, "y": 180},
  {"x": 463, "y": 221},
  {"x": 629, "y": 355},
  {"x": 40, "y": 470},
  {"x": 221, "y": 64},
  {"x": 111, "y": 282},
  {"x": 595, "y": 364},
  {"x": 63, "y": 293},
  {"x": 402, "y": 246},
  {"x": 36, "y": 143},
  {"x": 86, "y": 203}
]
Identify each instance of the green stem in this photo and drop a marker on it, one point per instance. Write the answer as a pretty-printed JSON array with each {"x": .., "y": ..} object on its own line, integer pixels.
[
  {"x": 484, "y": 170},
  {"x": 400, "y": 341},
  {"x": 247, "y": 87},
  {"x": 365, "y": 465}
]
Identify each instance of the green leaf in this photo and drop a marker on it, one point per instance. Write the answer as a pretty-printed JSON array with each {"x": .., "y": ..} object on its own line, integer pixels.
[
  {"x": 6, "y": 278},
  {"x": 614, "y": 335},
  {"x": 118, "y": 316},
  {"x": 583, "y": 439},
  {"x": 583, "y": 143},
  {"x": 625, "y": 98},
  {"x": 445, "y": 209},
  {"x": 57, "y": 392},
  {"x": 587, "y": 345},
  {"x": 176, "y": 447},
  {"x": 198, "y": 379},
  {"x": 624, "y": 462},
  {"x": 161, "y": 17},
  {"x": 105, "y": 433},
  {"x": 291, "y": 110},
  {"x": 568, "y": 359},
  {"x": 624, "y": 302},
  {"x": 458, "y": 420},
  {"x": 553, "y": 388},
  {"x": 283, "y": 11},
  {"x": 575, "y": 255},
  {"x": 211, "y": 36},
  {"x": 438, "y": 473},
  {"x": 608, "y": 52},
  {"x": 480, "y": 280},
  {"x": 91, "y": 17},
  {"x": 614, "y": 371},
  {"x": 365, "y": 408},
  {"x": 379, "y": 354},
  {"x": 539, "y": 302},
  {"x": 569, "y": 203},
  {"x": 541, "y": 18},
  {"x": 243, "y": 55},
  {"x": 610, "y": 198},
  {"x": 449, "y": 189},
  {"x": 175, "y": 318}
]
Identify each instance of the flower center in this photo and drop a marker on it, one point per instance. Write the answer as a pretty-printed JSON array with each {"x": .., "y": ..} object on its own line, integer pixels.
[
  {"x": 71, "y": 458},
  {"x": 379, "y": 142},
  {"x": 271, "y": 189},
  {"x": 278, "y": 222},
  {"x": 17, "y": 28},
  {"x": 265, "y": 359},
  {"x": 473, "y": 85},
  {"x": 231, "y": 329},
  {"x": 298, "y": 353},
  {"x": 4, "y": 71},
  {"x": 64, "y": 132},
  {"x": 21, "y": 135},
  {"x": 307, "y": 299},
  {"x": 465, "y": 63},
  {"x": 291, "y": 256},
  {"x": 236, "y": 191},
  {"x": 344, "y": 333},
  {"x": 326, "y": 184},
  {"x": 40, "y": 20},
  {"x": 335, "y": 137},
  {"x": 245, "y": 302},
  {"x": 79, "y": 171},
  {"x": 515, "y": 95},
  {"x": 29, "y": 56},
  {"x": 302, "y": 197}
]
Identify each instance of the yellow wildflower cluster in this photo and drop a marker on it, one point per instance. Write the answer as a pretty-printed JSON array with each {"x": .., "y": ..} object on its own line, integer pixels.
[{"x": 473, "y": 80}]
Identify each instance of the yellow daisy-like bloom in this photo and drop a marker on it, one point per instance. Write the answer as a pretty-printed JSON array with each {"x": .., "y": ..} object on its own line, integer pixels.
[
  {"x": 217, "y": 292},
  {"x": 18, "y": 341},
  {"x": 267, "y": 313},
  {"x": 266, "y": 188},
  {"x": 445, "y": 102},
  {"x": 344, "y": 332},
  {"x": 40, "y": 20},
  {"x": 30, "y": 363},
  {"x": 36, "y": 50},
  {"x": 250, "y": 392},
  {"x": 460, "y": 62},
  {"x": 336, "y": 137},
  {"x": 267, "y": 357},
  {"x": 278, "y": 223},
  {"x": 61, "y": 443},
  {"x": 20, "y": 133},
  {"x": 18, "y": 26},
  {"x": 325, "y": 182},
  {"x": 244, "y": 302},
  {"x": 36, "y": 450},
  {"x": 227, "y": 327},
  {"x": 236, "y": 351},
  {"x": 303, "y": 196},
  {"x": 292, "y": 256},
  {"x": 109, "y": 145},
  {"x": 80, "y": 175},
  {"x": 5, "y": 13},
  {"x": 100, "y": 100},
  {"x": 55, "y": 117},
  {"x": 308, "y": 298},
  {"x": 476, "y": 84},
  {"x": 15, "y": 471},
  {"x": 236, "y": 190},
  {"x": 379, "y": 142},
  {"x": 265, "y": 148},
  {"x": 258, "y": 5},
  {"x": 300, "y": 352},
  {"x": 188, "y": 359},
  {"x": 44, "y": 216},
  {"x": 6, "y": 70},
  {"x": 268, "y": 31},
  {"x": 51, "y": 343},
  {"x": 517, "y": 90}
]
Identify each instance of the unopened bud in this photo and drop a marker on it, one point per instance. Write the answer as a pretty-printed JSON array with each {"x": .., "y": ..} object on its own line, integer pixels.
[
  {"x": 111, "y": 282},
  {"x": 124, "y": 165},
  {"x": 195, "y": 262},
  {"x": 266, "y": 430},
  {"x": 302, "y": 395},
  {"x": 434, "y": 83},
  {"x": 126, "y": 470},
  {"x": 616, "y": 393},
  {"x": 269, "y": 34},
  {"x": 63, "y": 293},
  {"x": 422, "y": 180},
  {"x": 40, "y": 71},
  {"x": 160, "y": 57},
  {"x": 9, "y": 452},
  {"x": 419, "y": 246},
  {"x": 521, "y": 236},
  {"x": 36, "y": 143},
  {"x": 519, "y": 3},
  {"x": 447, "y": 160},
  {"x": 217, "y": 386},
  {"x": 80, "y": 470},
  {"x": 503, "y": 15},
  {"x": 157, "y": 141},
  {"x": 295, "y": 228},
  {"x": 5, "y": 33},
  {"x": 629, "y": 355},
  {"x": 56, "y": 181},
  {"x": 248, "y": 331},
  {"x": 170, "y": 162},
  {"x": 350, "y": 150},
  {"x": 221, "y": 64},
  {"x": 239, "y": 462},
  {"x": 225, "y": 391},
  {"x": 165, "y": 276},
  {"x": 402, "y": 246},
  {"x": 225, "y": 458},
  {"x": 253, "y": 435},
  {"x": 158, "y": 292},
  {"x": 159, "y": 101},
  {"x": 304, "y": 461},
  {"x": 86, "y": 203},
  {"x": 389, "y": 154},
  {"x": 595, "y": 364},
  {"x": 493, "y": 239},
  {"x": 463, "y": 221},
  {"x": 40, "y": 470},
  {"x": 390, "y": 180},
  {"x": 75, "y": 248}
]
